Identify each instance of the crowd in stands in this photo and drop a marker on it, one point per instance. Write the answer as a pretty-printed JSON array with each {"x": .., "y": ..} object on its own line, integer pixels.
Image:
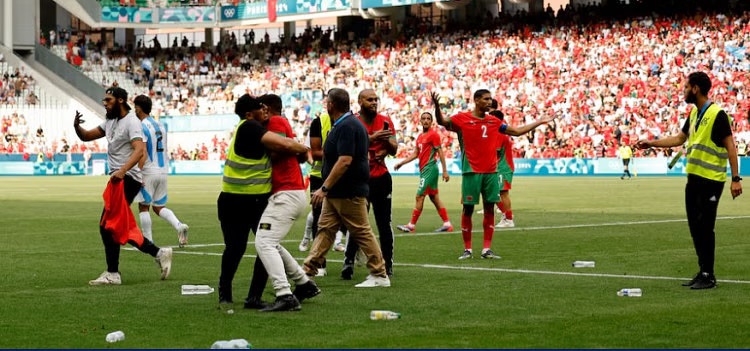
[{"x": 613, "y": 74}]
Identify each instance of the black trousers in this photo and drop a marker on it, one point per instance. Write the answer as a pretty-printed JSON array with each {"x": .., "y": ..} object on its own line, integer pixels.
[
  {"x": 380, "y": 200},
  {"x": 315, "y": 184},
  {"x": 701, "y": 203},
  {"x": 238, "y": 214},
  {"x": 111, "y": 248}
]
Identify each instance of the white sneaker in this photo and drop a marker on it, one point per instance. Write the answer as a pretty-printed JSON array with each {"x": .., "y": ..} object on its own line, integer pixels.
[
  {"x": 339, "y": 247},
  {"x": 321, "y": 272},
  {"x": 505, "y": 223},
  {"x": 374, "y": 282},
  {"x": 480, "y": 211},
  {"x": 304, "y": 245},
  {"x": 164, "y": 260},
  {"x": 107, "y": 278},
  {"x": 182, "y": 234}
]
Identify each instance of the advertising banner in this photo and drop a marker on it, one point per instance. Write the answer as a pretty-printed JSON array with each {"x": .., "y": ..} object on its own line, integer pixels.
[
  {"x": 127, "y": 14},
  {"x": 187, "y": 14},
  {"x": 259, "y": 9},
  {"x": 524, "y": 167},
  {"x": 368, "y": 4}
]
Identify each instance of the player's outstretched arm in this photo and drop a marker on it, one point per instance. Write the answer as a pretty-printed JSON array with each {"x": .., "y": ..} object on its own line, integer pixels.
[
  {"x": 670, "y": 141},
  {"x": 411, "y": 157},
  {"x": 516, "y": 131}
]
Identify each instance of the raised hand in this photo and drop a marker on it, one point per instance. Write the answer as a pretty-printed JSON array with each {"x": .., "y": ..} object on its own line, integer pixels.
[{"x": 77, "y": 120}]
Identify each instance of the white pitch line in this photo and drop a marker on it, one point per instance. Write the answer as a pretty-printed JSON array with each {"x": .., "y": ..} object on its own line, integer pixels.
[
  {"x": 505, "y": 270},
  {"x": 570, "y": 226}
]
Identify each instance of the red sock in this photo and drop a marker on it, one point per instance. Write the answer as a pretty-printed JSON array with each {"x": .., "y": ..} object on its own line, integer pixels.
[
  {"x": 415, "y": 216},
  {"x": 488, "y": 225},
  {"x": 443, "y": 214},
  {"x": 509, "y": 215},
  {"x": 466, "y": 231},
  {"x": 501, "y": 207}
]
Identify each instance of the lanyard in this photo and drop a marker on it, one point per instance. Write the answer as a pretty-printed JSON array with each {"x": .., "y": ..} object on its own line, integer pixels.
[
  {"x": 701, "y": 113},
  {"x": 342, "y": 118}
]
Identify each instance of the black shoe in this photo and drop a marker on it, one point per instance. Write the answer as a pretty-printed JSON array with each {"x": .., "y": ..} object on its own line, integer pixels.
[
  {"x": 705, "y": 281},
  {"x": 347, "y": 272},
  {"x": 389, "y": 271},
  {"x": 692, "y": 281},
  {"x": 306, "y": 291},
  {"x": 284, "y": 303},
  {"x": 255, "y": 303},
  {"x": 225, "y": 294}
]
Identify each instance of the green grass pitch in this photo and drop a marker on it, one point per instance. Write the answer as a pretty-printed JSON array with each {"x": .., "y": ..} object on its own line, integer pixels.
[{"x": 531, "y": 298}]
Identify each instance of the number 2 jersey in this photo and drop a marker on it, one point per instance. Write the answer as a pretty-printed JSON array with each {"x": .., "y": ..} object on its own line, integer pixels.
[
  {"x": 478, "y": 138},
  {"x": 155, "y": 136}
]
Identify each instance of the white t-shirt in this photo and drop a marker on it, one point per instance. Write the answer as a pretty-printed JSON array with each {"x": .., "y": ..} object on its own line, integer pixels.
[{"x": 120, "y": 133}]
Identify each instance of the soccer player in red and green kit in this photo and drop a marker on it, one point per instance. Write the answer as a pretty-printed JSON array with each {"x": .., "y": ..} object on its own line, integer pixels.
[
  {"x": 477, "y": 136},
  {"x": 428, "y": 149},
  {"x": 505, "y": 169}
]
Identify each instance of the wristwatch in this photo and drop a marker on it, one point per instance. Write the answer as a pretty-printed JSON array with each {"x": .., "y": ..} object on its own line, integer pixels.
[
  {"x": 324, "y": 189},
  {"x": 736, "y": 178}
]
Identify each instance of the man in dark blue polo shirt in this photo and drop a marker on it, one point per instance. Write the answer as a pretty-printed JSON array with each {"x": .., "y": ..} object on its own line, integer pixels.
[{"x": 344, "y": 192}]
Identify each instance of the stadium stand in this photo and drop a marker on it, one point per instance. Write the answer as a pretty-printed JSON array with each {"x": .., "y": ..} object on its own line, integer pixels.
[{"x": 612, "y": 82}]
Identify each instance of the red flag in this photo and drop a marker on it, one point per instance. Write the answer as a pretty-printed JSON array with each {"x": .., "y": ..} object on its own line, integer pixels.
[{"x": 272, "y": 10}]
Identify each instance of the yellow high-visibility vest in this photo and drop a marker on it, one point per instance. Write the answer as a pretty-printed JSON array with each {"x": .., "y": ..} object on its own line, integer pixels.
[
  {"x": 705, "y": 158},
  {"x": 325, "y": 127},
  {"x": 246, "y": 175}
]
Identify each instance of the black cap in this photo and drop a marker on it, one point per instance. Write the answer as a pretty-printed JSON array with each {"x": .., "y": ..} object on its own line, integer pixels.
[
  {"x": 245, "y": 104},
  {"x": 119, "y": 93}
]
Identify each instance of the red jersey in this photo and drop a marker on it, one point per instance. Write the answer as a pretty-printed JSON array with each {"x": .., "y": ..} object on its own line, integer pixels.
[
  {"x": 285, "y": 171},
  {"x": 505, "y": 153},
  {"x": 377, "y": 166},
  {"x": 428, "y": 144},
  {"x": 478, "y": 140}
]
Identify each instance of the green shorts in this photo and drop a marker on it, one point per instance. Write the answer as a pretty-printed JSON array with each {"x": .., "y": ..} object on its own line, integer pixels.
[
  {"x": 428, "y": 181},
  {"x": 505, "y": 179},
  {"x": 474, "y": 184}
]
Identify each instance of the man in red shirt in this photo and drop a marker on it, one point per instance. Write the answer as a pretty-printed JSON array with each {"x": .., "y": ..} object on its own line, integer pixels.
[
  {"x": 477, "y": 135},
  {"x": 382, "y": 143},
  {"x": 428, "y": 149},
  {"x": 505, "y": 169},
  {"x": 287, "y": 203}
]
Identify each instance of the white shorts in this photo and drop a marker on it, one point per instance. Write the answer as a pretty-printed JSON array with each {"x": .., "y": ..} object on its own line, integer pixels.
[{"x": 154, "y": 191}]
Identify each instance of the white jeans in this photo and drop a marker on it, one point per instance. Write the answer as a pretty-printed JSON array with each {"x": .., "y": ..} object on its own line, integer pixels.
[{"x": 283, "y": 208}]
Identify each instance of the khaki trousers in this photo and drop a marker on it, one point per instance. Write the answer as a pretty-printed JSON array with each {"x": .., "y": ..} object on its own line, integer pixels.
[{"x": 352, "y": 213}]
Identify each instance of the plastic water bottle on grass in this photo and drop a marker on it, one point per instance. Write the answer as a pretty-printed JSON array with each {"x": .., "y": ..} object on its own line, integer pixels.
[
  {"x": 630, "y": 292},
  {"x": 115, "y": 336},
  {"x": 584, "y": 264},
  {"x": 232, "y": 344},
  {"x": 377, "y": 315}
]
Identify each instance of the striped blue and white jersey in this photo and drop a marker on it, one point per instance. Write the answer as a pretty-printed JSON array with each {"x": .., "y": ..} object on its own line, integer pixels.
[{"x": 155, "y": 136}]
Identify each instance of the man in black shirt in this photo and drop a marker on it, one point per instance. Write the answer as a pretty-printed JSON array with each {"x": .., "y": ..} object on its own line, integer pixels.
[
  {"x": 343, "y": 194},
  {"x": 710, "y": 146},
  {"x": 246, "y": 187}
]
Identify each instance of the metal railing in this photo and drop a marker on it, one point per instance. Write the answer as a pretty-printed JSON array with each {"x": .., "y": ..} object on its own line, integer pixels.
[{"x": 68, "y": 73}]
